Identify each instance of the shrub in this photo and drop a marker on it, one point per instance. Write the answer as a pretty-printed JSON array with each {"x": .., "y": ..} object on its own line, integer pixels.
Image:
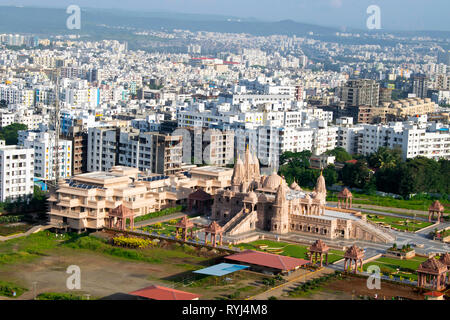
[
  {"x": 58, "y": 296},
  {"x": 7, "y": 289},
  {"x": 132, "y": 242}
]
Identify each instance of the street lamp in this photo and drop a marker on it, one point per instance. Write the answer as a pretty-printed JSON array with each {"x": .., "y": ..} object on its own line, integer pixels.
[{"x": 34, "y": 289}]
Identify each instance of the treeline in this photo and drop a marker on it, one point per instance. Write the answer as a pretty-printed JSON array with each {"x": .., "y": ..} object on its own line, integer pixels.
[
  {"x": 36, "y": 203},
  {"x": 10, "y": 133},
  {"x": 383, "y": 170}
]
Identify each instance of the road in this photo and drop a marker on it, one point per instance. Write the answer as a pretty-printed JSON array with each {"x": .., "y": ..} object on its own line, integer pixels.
[{"x": 292, "y": 284}]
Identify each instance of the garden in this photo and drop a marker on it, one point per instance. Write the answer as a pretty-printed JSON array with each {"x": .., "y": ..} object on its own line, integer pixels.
[
  {"x": 288, "y": 249},
  {"x": 402, "y": 269},
  {"x": 166, "y": 228},
  {"x": 398, "y": 223}
]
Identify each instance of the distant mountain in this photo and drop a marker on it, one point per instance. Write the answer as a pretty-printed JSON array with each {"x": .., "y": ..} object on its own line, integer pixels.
[{"x": 53, "y": 21}]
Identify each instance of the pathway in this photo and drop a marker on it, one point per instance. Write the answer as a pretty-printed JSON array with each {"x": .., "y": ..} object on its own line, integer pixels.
[
  {"x": 290, "y": 285},
  {"x": 32, "y": 230}
]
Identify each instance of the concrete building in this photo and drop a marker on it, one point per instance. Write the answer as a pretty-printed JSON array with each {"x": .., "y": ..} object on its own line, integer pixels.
[
  {"x": 16, "y": 172},
  {"x": 85, "y": 201},
  {"x": 413, "y": 138},
  {"x": 360, "y": 92},
  {"x": 44, "y": 147}
]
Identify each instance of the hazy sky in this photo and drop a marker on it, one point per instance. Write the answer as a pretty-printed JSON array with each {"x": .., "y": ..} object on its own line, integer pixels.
[{"x": 395, "y": 14}]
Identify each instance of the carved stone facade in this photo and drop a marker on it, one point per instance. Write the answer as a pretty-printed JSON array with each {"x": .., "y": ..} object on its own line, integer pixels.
[{"x": 255, "y": 202}]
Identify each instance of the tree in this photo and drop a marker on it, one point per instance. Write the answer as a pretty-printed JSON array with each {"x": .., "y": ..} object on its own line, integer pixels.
[
  {"x": 340, "y": 153},
  {"x": 10, "y": 133},
  {"x": 330, "y": 174},
  {"x": 385, "y": 158},
  {"x": 356, "y": 175}
]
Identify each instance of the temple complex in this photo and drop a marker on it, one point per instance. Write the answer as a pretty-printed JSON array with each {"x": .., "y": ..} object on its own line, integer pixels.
[{"x": 254, "y": 202}]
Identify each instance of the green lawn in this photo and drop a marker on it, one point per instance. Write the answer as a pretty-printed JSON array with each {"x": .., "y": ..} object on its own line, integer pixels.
[
  {"x": 25, "y": 249},
  {"x": 412, "y": 204},
  {"x": 165, "y": 228},
  {"x": 7, "y": 289},
  {"x": 399, "y": 223},
  {"x": 407, "y": 267},
  {"x": 288, "y": 249},
  {"x": 61, "y": 296}
]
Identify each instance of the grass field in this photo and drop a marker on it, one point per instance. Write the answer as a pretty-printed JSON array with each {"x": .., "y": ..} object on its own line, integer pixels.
[
  {"x": 399, "y": 223},
  {"x": 412, "y": 204},
  {"x": 288, "y": 249},
  {"x": 107, "y": 269},
  {"x": 407, "y": 267},
  {"x": 165, "y": 228}
]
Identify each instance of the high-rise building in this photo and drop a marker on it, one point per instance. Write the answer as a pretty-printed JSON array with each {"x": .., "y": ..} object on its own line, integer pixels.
[
  {"x": 421, "y": 84},
  {"x": 360, "y": 92}
]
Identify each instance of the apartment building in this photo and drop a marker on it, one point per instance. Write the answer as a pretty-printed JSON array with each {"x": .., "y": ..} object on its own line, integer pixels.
[
  {"x": 147, "y": 151},
  {"x": 44, "y": 145},
  {"x": 16, "y": 172},
  {"x": 413, "y": 138},
  {"x": 360, "y": 92},
  {"x": 151, "y": 151},
  {"x": 207, "y": 146},
  {"x": 79, "y": 139},
  {"x": 84, "y": 201},
  {"x": 348, "y": 134}
]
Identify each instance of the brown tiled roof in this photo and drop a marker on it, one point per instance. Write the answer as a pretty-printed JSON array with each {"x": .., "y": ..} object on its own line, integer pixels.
[
  {"x": 354, "y": 253},
  {"x": 436, "y": 206},
  {"x": 319, "y": 246},
  {"x": 162, "y": 293},
  {"x": 214, "y": 227},
  {"x": 199, "y": 195},
  {"x": 184, "y": 223},
  {"x": 345, "y": 193},
  {"x": 269, "y": 260},
  {"x": 432, "y": 265},
  {"x": 121, "y": 211}
]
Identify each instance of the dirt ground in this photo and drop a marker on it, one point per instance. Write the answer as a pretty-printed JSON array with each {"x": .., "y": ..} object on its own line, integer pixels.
[
  {"x": 353, "y": 287},
  {"x": 103, "y": 275}
]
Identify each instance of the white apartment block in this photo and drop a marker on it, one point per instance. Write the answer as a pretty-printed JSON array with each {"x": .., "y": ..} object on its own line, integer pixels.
[
  {"x": 413, "y": 138},
  {"x": 16, "y": 172},
  {"x": 348, "y": 134},
  {"x": 14, "y": 95},
  {"x": 102, "y": 144},
  {"x": 44, "y": 146}
]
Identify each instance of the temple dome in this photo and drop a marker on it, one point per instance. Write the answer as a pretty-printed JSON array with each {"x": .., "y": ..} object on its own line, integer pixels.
[
  {"x": 251, "y": 197},
  {"x": 295, "y": 186},
  {"x": 273, "y": 181},
  {"x": 321, "y": 187}
]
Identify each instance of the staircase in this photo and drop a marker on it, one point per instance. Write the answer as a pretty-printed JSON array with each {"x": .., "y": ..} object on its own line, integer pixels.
[
  {"x": 233, "y": 221},
  {"x": 382, "y": 234}
]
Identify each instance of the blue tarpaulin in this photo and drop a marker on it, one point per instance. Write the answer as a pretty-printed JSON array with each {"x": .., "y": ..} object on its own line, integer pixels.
[{"x": 221, "y": 269}]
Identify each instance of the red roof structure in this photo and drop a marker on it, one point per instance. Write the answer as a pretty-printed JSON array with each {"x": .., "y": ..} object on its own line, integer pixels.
[
  {"x": 268, "y": 260},
  {"x": 200, "y": 195},
  {"x": 434, "y": 294},
  {"x": 155, "y": 292}
]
